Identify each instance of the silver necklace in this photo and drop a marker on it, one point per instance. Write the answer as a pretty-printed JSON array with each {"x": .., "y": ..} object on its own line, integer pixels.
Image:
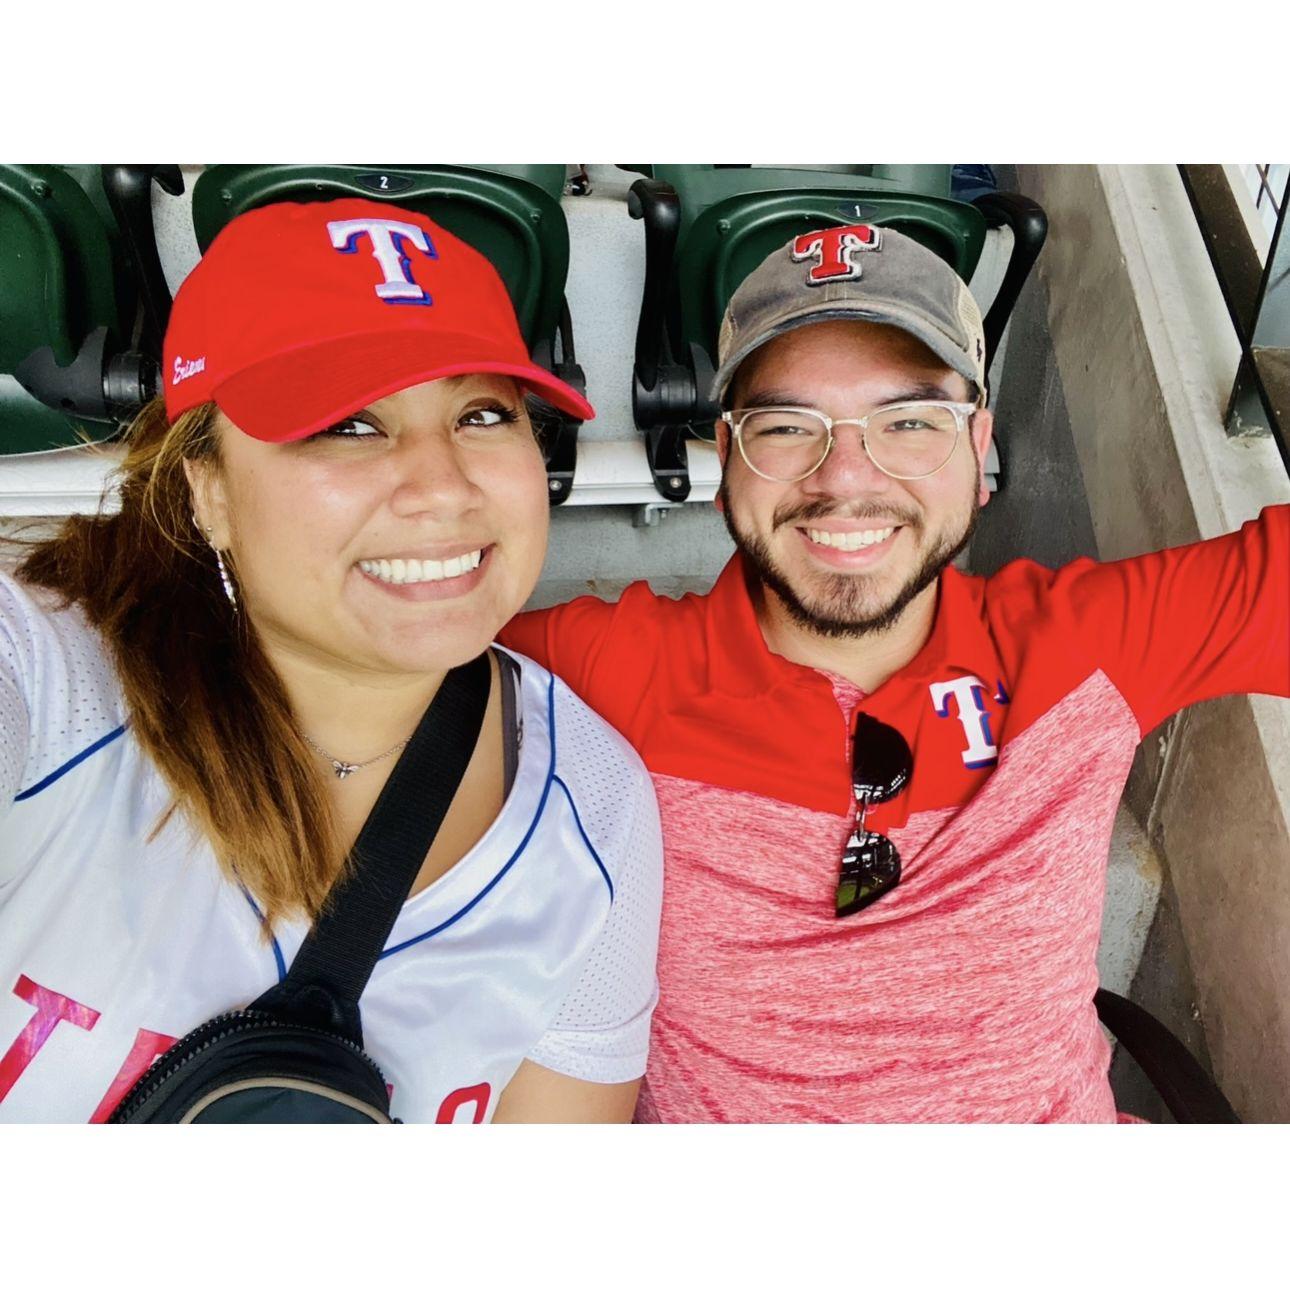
[{"x": 344, "y": 768}]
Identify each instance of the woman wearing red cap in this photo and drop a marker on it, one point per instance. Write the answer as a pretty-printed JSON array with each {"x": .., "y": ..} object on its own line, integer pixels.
[{"x": 202, "y": 695}]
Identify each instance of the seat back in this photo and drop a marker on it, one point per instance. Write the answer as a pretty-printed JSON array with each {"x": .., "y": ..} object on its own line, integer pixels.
[
  {"x": 931, "y": 181},
  {"x": 510, "y": 213},
  {"x": 731, "y": 219}
]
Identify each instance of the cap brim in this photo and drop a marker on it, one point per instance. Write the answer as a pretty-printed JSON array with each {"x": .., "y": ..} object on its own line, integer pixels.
[
  {"x": 302, "y": 391},
  {"x": 876, "y": 311}
]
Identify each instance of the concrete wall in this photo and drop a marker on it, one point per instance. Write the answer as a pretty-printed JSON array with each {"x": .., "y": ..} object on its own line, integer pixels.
[
  {"x": 1147, "y": 358},
  {"x": 1042, "y": 513}
]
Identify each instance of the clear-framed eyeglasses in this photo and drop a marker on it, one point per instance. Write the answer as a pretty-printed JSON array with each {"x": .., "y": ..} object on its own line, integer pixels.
[{"x": 904, "y": 440}]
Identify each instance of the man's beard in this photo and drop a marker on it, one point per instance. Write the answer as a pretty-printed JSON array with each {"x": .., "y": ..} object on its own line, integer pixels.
[{"x": 844, "y": 612}]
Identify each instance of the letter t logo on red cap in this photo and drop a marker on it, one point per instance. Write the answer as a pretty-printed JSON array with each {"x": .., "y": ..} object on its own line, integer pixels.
[
  {"x": 389, "y": 238},
  {"x": 834, "y": 250}
]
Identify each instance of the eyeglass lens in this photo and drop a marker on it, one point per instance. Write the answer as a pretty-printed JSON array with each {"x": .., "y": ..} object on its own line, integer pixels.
[
  {"x": 906, "y": 439},
  {"x": 881, "y": 765}
]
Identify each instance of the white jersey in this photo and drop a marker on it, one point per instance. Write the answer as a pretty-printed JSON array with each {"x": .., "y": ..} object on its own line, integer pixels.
[{"x": 539, "y": 943}]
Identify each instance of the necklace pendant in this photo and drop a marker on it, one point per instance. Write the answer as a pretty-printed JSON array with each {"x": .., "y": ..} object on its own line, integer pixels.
[{"x": 343, "y": 768}]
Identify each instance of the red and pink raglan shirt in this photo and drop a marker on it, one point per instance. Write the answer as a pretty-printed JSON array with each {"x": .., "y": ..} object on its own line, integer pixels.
[{"x": 966, "y": 993}]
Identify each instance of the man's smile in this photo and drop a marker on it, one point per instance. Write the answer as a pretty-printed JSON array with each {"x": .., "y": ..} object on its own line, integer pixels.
[
  {"x": 849, "y": 539},
  {"x": 849, "y": 550}
]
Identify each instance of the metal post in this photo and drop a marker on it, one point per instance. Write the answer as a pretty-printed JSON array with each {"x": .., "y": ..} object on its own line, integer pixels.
[
  {"x": 1270, "y": 344},
  {"x": 1260, "y": 402}
]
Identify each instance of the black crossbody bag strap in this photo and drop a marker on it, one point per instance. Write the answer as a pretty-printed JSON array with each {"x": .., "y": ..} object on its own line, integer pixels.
[{"x": 337, "y": 958}]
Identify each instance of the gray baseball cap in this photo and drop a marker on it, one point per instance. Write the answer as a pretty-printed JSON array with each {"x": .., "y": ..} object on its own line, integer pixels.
[{"x": 861, "y": 272}]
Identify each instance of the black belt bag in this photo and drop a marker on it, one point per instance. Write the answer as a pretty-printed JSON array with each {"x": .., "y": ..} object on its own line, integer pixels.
[{"x": 295, "y": 1055}]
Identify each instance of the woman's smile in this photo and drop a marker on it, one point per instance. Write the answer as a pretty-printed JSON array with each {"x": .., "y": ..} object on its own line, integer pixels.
[{"x": 416, "y": 580}]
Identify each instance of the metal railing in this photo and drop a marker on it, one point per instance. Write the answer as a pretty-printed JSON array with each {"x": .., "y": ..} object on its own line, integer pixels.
[
  {"x": 1258, "y": 299},
  {"x": 1263, "y": 192}
]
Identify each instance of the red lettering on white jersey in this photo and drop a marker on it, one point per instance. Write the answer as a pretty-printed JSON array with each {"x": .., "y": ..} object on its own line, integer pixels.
[
  {"x": 147, "y": 1047},
  {"x": 51, "y": 1008},
  {"x": 477, "y": 1093}
]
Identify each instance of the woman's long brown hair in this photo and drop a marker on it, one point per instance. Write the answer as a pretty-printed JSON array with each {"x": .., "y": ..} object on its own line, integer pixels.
[{"x": 203, "y": 700}]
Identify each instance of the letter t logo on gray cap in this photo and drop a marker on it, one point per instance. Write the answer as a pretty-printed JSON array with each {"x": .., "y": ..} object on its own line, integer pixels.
[{"x": 858, "y": 272}]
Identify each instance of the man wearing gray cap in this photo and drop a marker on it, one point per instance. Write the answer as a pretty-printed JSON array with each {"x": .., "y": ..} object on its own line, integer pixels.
[{"x": 887, "y": 787}]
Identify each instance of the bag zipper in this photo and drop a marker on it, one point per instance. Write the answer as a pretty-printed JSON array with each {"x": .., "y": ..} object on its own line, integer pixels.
[{"x": 198, "y": 1041}]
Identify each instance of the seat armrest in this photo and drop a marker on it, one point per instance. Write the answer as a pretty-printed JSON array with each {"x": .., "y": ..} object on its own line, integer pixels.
[
  {"x": 1184, "y": 1086},
  {"x": 1029, "y": 227}
]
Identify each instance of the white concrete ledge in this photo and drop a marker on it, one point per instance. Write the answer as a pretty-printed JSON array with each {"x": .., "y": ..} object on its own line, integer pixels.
[{"x": 70, "y": 481}]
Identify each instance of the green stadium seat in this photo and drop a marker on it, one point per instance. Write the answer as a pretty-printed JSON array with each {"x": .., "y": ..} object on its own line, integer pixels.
[
  {"x": 76, "y": 359},
  {"x": 510, "y": 213},
  {"x": 708, "y": 227},
  {"x": 934, "y": 181}
]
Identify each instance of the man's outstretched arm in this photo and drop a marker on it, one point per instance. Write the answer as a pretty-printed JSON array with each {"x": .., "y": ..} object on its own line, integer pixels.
[{"x": 1193, "y": 622}]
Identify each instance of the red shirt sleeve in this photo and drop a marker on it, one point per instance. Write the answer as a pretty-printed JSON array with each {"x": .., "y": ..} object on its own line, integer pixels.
[
  {"x": 608, "y": 654},
  {"x": 1191, "y": 623},
  {"x": 566, "y": 639},
  {"x": 570, "y": 640}
]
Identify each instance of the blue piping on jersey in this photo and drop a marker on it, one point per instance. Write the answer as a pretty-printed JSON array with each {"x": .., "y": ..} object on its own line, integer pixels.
[
  {"x": 574, "y": 805},
  {"x": 277, "y": 949},
  {"x": 578, "y": 820},
  {"x": 501, "y": 873},
  {"x": 69, "y": 765}
]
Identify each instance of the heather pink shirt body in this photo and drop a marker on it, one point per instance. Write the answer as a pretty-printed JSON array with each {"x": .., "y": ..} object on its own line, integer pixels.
[{"x": 967, "y": 992}]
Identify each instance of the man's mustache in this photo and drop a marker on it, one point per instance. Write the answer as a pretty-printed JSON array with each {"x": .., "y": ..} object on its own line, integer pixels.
[{"x": 823, "y": 509}]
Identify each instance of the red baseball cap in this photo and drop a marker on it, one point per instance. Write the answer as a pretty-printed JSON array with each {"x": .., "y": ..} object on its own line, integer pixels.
[{"x": 301, "y": 313}]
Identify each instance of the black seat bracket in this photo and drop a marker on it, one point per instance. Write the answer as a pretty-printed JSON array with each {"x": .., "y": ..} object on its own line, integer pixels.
[{"x": 664, "y": 389}]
